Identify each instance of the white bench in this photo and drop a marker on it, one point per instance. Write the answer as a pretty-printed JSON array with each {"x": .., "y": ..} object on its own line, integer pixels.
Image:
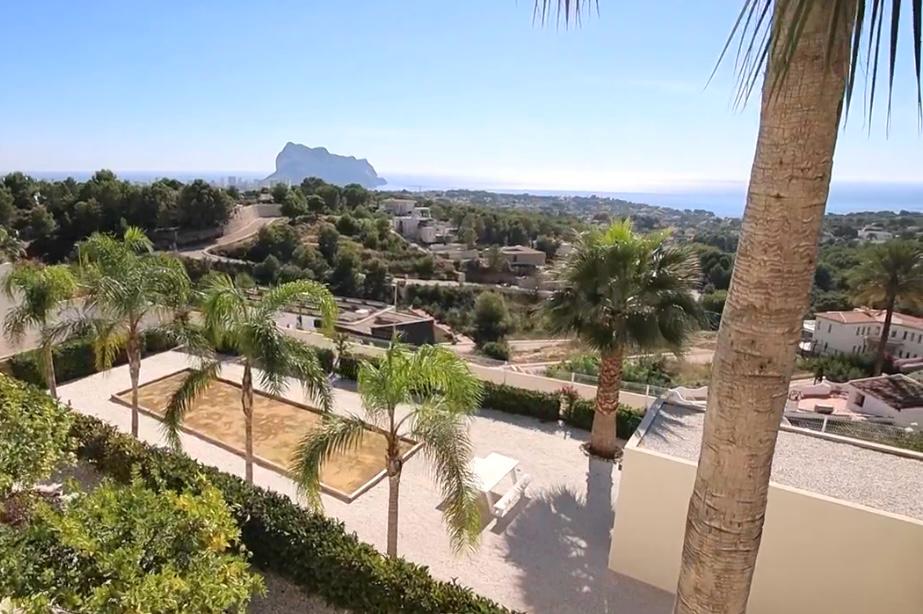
[{"x": 507, "y": 501}]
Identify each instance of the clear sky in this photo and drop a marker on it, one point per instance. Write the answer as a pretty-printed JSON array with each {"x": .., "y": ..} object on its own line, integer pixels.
[{"x": 465, "y": 89}]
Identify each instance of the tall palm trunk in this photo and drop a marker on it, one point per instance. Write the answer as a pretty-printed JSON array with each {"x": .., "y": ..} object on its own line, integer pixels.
[
  {"x": 133, "y": 350},
  {"x": 603, "y": 436},
  {"x": 395, "y": 465},
  {"x": 246, "y": 403},
  {"x": 885, "y": 333},
  {"x": 761, "y": 324},
  {"x": 48, "y": 367}
]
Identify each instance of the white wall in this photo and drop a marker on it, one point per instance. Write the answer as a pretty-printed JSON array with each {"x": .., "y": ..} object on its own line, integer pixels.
[{"x": 818, "y": 554}]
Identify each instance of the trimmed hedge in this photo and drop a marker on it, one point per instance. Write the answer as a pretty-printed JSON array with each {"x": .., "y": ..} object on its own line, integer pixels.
[
  {"x": 511, "y": 400},
  {"x": 580, "y": 415},
  {"x": 76, "y": 359},
  {"x": 310, "y": 550},
  {"x": 545, "y": 406}
]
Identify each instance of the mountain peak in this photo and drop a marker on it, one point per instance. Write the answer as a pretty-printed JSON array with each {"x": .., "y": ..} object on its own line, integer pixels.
[{"x": 296, "y": 162}]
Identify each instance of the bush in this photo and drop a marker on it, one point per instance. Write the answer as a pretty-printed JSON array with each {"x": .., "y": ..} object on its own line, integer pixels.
[
  {"x": 580, "y": 415},
  {"x": 839, "y": 368},
  {"x": 315, "y": 552},
  {"x": 76, "y": 359},
  {"x": 33, "y": 435},
  {"x": 513, "y": 400},
  {"x": 499, "y": 350}
]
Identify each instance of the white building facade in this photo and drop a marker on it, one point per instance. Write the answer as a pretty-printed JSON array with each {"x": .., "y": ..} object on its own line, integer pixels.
[{"x": 859, "y": 332}]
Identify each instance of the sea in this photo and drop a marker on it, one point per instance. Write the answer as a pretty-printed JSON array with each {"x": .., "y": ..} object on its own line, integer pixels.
[{"x": 725, "y": 199}]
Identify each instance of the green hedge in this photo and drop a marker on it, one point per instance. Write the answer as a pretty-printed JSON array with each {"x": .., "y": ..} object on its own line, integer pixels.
[
  {"x": 310, "y": 550},
  {"x": 580, "y": 415},
  {"x": 541, "y": 405},
  {"x": 76, "y": 359}
]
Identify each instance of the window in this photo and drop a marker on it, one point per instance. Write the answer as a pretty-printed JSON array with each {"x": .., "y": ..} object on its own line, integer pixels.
[
  {"x": 857, "y": 332},
  {"x": 860, "y": 399},
  {"x": 905, "y": 335},
  {"x": 829, "y": 327},
  {"x": 893, "y": 334}
]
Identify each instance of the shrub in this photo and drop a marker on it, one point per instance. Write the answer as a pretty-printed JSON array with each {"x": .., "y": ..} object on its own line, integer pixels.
[
  {"x": 76, "y": 359},
  {"x": 839, "y": 368},
  {"x": 315, "y": 552},
  {"x": 499, "y": 350},
  {"x": 512, "y": 400},
  {"x": 33, "y": 434},
  {"x": 80, "y": 557},
  {"x": 580, "y": 414}
]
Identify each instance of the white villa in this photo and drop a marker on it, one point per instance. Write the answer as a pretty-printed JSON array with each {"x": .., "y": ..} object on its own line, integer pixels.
[{"x": 858, "y": 332}]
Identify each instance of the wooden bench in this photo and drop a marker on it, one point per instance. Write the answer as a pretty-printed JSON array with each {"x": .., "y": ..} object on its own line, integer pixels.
[{"x": 507, "y": 501}]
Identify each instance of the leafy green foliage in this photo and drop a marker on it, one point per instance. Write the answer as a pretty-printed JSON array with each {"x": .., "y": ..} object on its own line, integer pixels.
[
  {"x": 312, "y": 551},
  {"x": 77, "y": 358},
  {"x": 491, "y": 317},
  {"x": 838, "y": 368},
  {"x": 128, "y": 548},
  {"x": 498, "y": 350},
  {"x": 34, "y": 435},
  {"x": 512, "y": 400}
]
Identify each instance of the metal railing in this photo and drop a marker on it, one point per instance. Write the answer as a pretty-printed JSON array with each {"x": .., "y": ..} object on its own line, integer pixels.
[
  {"x": 650, "y": 390},
  {"x": 908, "y": 438}
]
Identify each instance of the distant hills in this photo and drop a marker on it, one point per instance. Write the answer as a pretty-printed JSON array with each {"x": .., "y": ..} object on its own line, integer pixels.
[{"x": 296, "y": 162}]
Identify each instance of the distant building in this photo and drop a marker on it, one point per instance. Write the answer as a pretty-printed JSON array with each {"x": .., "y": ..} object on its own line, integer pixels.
[
  {"x": 374, "y": 320},
  {"x": 408, "y": 226},
  {"x": 859, "y": 332},
  {"x": 886, "y": 399},
  {"x": 521, "y": 256},
  {"x": 398, "y": 206},
  {"x": 875, "y": 234},
  {"x": 457, "y": 252}
]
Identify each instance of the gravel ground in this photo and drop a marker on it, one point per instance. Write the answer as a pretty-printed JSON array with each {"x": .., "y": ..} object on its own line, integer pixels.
[
  {"x": 840, "y": 470},
  {"x": 549, "y": 555}
]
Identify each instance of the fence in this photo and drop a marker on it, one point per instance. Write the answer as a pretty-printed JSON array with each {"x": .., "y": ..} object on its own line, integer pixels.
[
  {"x": 886, "y": 434},
  {"x": 649, "y": 390}
]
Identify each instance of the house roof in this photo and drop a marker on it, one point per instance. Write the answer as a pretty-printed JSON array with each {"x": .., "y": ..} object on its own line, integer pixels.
[
  {"x": 898, "y": 391},
  {"x": 520, "y": 249},
  {"x": 871, "y": 316},
  {"x": 814, "y": 462}
]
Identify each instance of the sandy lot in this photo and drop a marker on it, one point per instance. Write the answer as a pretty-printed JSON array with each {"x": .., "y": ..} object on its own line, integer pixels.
[{"x": 278, "y": 427}]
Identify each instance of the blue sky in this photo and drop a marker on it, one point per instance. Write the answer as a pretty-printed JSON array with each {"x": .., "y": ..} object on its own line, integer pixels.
[{"x": 467, "y": 90}]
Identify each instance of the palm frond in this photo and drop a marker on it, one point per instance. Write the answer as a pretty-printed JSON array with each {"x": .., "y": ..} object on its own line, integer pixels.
[
  {"x": 184, "y": 397},
  {"x": 109, "y": 338},
  {"x": 224, "y": 306},
  {"x": 303, "y": 365},
  {"x": 287, "y": 294},
  {"x": 136, "y": 241},
  {"x": 761, "y": 40},
  {"x": 568, "y": 11},
  {"x": 438, "y": 373},
  {"x": 444, "y": 435},
  {"x": 335, "y": 435}
]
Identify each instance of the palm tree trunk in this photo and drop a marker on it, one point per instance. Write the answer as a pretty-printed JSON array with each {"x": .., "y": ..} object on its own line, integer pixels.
[
  {"x": 885, "y": 332},
  {"x": 246, "y": 402},
  {"x": 395, "y": 465},
  {"x": 134, "y": 370},
  {"x": 50, "y": 380},
  {"x": 603, "y": 437},
  {"x": 394, "y": 485},
  {"x": 762, "y": 319}
]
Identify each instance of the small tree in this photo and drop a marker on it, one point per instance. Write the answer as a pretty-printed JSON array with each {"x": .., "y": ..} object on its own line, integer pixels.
[
  {"x": 249, "y": 328},
  {"x": 128, "y": 549},
  {"x": 328, "y": 242},
  {"x": 441, "y": 392},
  {"x": 39, "y": 293},
  {"x": 491, "y": 318}
]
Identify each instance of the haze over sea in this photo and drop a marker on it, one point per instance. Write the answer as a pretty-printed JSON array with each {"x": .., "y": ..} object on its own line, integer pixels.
[{"x": 725, "y": 199}]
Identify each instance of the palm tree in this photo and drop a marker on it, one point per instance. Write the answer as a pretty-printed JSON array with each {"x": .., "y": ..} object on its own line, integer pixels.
[
  {"x": 619, "y": 291},
  {"x": 248, "y": 328},
  {"x": 128, "y": 287},
  {"x": 808, "y": 53},
  {"x": 40, "y": 292},
  {"x": 889, "y": 272},
  {"x": 436, "y": 392}
]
